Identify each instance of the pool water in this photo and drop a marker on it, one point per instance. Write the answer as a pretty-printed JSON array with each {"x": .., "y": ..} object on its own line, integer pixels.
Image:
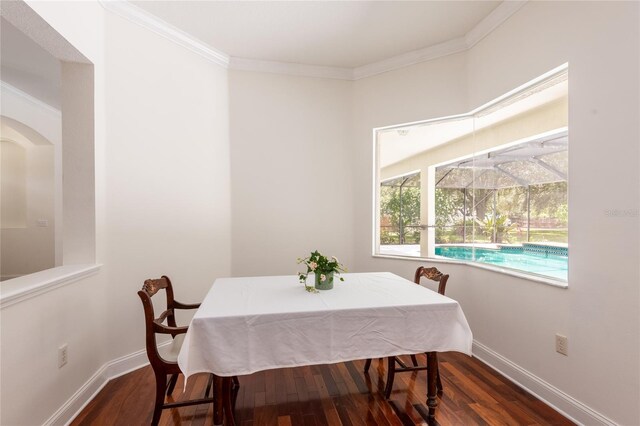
[{"x": 546, "y": 264}]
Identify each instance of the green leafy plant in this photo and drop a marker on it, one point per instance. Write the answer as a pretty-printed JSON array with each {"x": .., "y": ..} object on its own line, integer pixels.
[
  {"x": 320, "y": 265},
  {"x": 500, "y": 224}
]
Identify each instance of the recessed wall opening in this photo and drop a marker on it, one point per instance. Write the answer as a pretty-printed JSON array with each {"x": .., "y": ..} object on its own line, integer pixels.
[
  {"x": 47, "y": 131},
  {"x": 486, "y": 187}
]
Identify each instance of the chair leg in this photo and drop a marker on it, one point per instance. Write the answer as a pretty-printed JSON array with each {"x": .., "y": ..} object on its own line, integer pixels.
[
  {"x": 367, "y": 364},
  {"x": 209, "y": 386},
  {"x": 391, "y": 372},
  {"x": 172, "y": 383},
  {"x": 414, "y": 360},
  {"x": 235, "y": 390},
  {"x": 161, "y": 385}
]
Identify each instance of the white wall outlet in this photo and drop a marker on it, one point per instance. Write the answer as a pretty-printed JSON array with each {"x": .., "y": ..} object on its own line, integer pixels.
[
  {"x": 62, "y": 356},
  {"x": 562, "y": 344},
  {"x": 43, "y": 223}
]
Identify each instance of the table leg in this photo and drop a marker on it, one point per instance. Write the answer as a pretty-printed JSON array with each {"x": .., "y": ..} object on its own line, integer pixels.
[{"x": 432, "y": 383}]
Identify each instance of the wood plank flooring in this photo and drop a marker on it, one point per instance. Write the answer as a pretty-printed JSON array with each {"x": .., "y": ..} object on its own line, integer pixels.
[{"x": 336, "y": 394}]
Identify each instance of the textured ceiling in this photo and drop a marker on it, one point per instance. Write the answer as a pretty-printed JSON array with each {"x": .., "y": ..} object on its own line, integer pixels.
[{"x": 28, "y": 67}]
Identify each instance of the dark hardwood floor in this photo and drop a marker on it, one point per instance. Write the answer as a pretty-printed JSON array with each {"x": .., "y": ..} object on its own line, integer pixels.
[{"x": 336, "y": 394}]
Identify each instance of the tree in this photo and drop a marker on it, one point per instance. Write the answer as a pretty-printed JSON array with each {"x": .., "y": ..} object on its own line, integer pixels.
[
  {"x": 449, "y": 215},
  {"x": 398, "y": 213}
]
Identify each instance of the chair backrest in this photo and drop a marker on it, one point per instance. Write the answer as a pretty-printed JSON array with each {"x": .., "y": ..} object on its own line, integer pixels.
[
  {"x": 154, "y": 325},
  {"x": 434, "y": 275}
]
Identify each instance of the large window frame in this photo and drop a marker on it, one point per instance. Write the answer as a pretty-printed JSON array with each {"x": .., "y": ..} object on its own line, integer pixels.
[{"x": 428, "y": 228}]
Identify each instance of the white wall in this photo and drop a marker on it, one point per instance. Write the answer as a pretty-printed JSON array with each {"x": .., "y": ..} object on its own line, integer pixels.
[
  {"x": 13, "y": 181},
  {"x": 33, "y": 330},
  {"x": 78, "y": 163},
  {"x": 162, "y": 207},
  {"x": 167, "y": 172},
  {"x": 600, "y": 310},
  {"x": 514, "y": 317},
  {"x": 291, "y": 171}
]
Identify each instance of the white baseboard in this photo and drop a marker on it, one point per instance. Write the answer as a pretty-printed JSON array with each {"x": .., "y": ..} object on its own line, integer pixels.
[
  {"x": 567, "y": 405},
  {"x": 559, "y": 400},
  {"x": 90, "y": 389}
]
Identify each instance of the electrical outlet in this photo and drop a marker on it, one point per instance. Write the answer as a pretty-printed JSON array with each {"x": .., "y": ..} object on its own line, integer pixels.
[
  {"x": 562, "y": 344},
  {"x": 62, "y": 356}
]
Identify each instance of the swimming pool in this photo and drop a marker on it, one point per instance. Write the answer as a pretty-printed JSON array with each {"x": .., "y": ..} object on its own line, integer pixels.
[{"x": 539, "y": 259}]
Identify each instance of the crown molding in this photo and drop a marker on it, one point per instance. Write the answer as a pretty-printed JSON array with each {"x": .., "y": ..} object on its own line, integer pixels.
[
  {"x": 411, "y": 58},
  {"x": 27, "y": 97},
  {"x": 141, "y": 17},
  {"x": 303, "y": 70},
  {"x": 492, "y": 21},
  {"x": 145, "y": 19}
]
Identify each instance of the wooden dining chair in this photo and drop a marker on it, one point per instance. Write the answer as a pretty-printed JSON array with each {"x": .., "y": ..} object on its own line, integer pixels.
[
  {"x": 163, "y": 359},
  {"x": 395, "y": 364}
]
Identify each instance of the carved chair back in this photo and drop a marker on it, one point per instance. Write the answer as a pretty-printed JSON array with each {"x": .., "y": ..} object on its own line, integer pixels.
[
  {"x": 154, "y": 325},
  {"x": 434, "y": 275}
]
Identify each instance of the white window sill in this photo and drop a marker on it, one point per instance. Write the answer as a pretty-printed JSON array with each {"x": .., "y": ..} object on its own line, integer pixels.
[
  {"x": 27, "y": 286},
  {"x": 536, "y": 278}
]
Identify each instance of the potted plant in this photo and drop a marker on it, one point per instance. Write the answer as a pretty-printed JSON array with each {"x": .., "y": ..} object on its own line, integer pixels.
[{"x": 323, "y": 268}]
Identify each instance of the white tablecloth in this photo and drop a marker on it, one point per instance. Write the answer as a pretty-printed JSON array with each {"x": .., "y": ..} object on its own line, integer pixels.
[{"x": 252, "y": 324}]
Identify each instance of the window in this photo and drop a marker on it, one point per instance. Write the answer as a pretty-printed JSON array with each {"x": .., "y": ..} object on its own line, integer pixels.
[
  {"x": 400, "y": 214},
  {"x": 487, "y": 187}
]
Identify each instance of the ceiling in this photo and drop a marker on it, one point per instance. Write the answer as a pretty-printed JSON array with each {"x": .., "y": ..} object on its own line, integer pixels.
[
  {"x": 345, "y": 34},
  {"x": 27, "y": 66},
  {"x": 338, "y": 34}
]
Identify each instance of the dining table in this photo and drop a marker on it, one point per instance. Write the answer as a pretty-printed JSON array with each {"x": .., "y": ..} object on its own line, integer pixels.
[{"x": 250, "y": 324}]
